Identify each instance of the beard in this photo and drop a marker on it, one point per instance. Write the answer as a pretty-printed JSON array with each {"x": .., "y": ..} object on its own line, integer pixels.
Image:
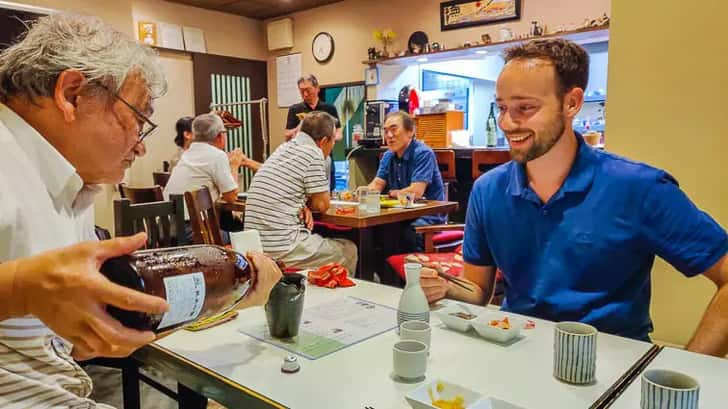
[{"x": 543, "y": 141}]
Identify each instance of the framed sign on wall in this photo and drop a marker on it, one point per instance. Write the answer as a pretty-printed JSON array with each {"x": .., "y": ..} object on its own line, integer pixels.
[{"x": 467, "y": 13}]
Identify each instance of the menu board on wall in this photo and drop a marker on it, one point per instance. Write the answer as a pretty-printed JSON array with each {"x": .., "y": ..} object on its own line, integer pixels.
[{"x": 288, "y": 71}]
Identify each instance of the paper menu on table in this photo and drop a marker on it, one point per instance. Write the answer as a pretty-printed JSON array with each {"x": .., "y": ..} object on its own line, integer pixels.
[
  {"x": 332, "y": 326},
  {"x": 288, "y": 71}
]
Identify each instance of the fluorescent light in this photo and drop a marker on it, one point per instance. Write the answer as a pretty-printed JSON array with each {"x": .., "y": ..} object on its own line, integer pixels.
[
  {"x": 481, "y": 52},
  {"x": 422, "y": 59}
]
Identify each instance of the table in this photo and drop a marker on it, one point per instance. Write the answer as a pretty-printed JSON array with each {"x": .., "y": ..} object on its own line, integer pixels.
[
  {"x": 239, "y": 371},
  {"x": 364, "y": 222},
  {"x": 710, "y": 372},
  {"x": 237, "y": 206}
]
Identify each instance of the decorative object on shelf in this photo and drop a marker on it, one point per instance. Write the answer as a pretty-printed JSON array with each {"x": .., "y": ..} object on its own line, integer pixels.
[
  {"x": 386, "y": 37},
  {"x": 417, "y": 42},
  {"x": 437, "y": 46},
  {"x": 506, "y": 34},
  {"x": 467, "y": 44},
  {"x": 371, "y": 76},
  {"x": 402, "y": 53},
  {"x": 466, "y": 13},
  {"x": 372, "y": 53},
  {"x": 322, "y": 47},
  {"x": 536, "y": 29},
  {"x": 147, "y": 32},
  {"x": 485, "y": 38}
]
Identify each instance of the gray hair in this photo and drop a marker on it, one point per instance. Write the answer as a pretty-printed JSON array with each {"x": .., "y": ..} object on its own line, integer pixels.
[
  {"x": 67, "y": 41},
  {"x": 310, "y": 78},
  {"x": 318, "y": 124},
  {"x": 206, "y": 127}
]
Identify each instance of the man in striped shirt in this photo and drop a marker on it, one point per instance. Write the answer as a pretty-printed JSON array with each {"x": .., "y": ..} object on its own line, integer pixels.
[{"x": 290, "y": 184}]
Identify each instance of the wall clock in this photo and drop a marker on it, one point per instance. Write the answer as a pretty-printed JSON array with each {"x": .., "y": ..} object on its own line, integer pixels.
[{"x": 322, "y": 47}]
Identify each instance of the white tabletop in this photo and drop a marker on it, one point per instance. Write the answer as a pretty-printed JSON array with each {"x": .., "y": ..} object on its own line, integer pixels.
[
  {"x": 359, "y": 376},
  {"x": 710, "y": 372}
]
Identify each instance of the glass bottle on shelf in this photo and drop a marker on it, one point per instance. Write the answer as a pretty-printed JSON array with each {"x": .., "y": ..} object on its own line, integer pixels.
[
  {"x": 197, "y": 281},
  {"x": 490, "y": 128}
]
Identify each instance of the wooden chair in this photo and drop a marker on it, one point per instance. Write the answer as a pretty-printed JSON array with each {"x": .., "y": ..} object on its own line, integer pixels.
[
  {"x": 138, "y": 195},
  {"x": 446, "y": 163},
  {"x": 203, "y": 217},
  {"x": 163, "y": 221},
  {"x": 484, "y": 160},
  {"x": 161, "y": 178}
]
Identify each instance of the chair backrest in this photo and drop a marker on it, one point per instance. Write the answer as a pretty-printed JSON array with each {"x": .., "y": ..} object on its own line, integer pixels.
[
  {"x": 484, "y": 160},
  {"x": 160, "y": 178},
  {"x": 446, "y": 163},
  {"x": 141, "y": 194},
  {"x": 163, "y": 221},
  {"x": 247, "y": 240},
  {"x": 203, "y": 217}
]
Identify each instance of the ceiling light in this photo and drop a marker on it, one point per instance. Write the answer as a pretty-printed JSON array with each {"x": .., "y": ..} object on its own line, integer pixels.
[
  {"x": 422, "y": 59},
  {"x": 481, "y": 52}
]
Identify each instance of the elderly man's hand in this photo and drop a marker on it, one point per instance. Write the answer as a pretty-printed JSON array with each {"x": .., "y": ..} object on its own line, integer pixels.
[
  {"x": 64, "y": 289},
  {"x": 266, "y": 275},
  {"x": 236, "y": 158},
  {"x": 306, "y": 217}
]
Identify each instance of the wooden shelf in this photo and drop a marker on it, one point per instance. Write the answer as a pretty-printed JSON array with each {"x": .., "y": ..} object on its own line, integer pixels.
[{"x": 584, "y": 36}]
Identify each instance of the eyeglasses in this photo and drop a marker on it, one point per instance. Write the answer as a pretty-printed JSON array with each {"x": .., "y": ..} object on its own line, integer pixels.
[{"x": 146, "y": 126}]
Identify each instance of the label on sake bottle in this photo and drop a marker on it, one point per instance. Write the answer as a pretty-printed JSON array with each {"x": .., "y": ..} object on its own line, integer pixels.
[{"x": 185, "y": 296}]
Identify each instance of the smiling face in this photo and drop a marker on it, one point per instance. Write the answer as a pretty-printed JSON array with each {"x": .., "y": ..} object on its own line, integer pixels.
[{"x": 532, "y": 113}]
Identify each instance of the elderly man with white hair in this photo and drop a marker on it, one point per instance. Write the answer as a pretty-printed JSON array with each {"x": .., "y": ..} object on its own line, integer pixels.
[
  {"x": 75, "y": 101},
  {"x": 205, "y": 163}
]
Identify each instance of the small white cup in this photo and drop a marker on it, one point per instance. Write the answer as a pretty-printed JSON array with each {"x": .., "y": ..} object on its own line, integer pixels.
[
  {"x": 410, "y": 359},
  {"x": 664, "y": 389},
  {"x": 417, "y": 331},
  {"x": 575, "y": 352}
]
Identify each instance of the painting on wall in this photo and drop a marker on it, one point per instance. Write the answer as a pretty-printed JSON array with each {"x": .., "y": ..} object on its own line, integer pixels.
[{"x": 467, "y": 13}]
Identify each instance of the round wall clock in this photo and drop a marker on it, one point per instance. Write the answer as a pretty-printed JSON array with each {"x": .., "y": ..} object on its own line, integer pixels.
[{"x": 322, "y": 47}]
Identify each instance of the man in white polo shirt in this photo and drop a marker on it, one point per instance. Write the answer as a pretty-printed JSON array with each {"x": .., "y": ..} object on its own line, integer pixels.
[
  {"x": 75, "y": 96},
  {"x": 288, "y": 184},
  {"x": 205, "y": 163}
]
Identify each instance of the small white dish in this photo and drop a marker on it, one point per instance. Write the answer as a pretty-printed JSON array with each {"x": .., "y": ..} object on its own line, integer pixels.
[
  {"x": 495, "y": 333},
  {"x": 448, "y": 317},
  {"x": 420, "y": 398}
]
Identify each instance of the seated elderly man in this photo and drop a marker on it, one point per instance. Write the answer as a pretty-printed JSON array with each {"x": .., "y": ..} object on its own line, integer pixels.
[
  {"x": 409, "y": 166},
  {"x": 205, "y": 163},
  {"x": 288, "y": 184}
]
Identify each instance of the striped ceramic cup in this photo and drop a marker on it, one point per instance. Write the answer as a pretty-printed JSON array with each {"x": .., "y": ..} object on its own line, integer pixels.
[
  {"x": 663, "y": 389},
  {"x": 575, "y": 352}
]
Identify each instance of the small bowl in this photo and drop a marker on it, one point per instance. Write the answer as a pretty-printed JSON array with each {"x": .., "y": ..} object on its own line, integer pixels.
[
  {"x": 484, "y": 329},
  {"x": 420, "y": 397},
  {"x": 453, "y": 321}
]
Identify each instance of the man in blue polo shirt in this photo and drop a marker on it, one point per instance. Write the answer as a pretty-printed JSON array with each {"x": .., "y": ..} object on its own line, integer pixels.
[
  {"x": 408, "y": 166},
  {"x": 576, "y": 230}
]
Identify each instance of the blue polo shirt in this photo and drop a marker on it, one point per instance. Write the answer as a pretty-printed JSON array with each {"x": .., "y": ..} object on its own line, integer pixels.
[
  {"x": 418, "y": 164},
  {"x": 586, "y": 255}
]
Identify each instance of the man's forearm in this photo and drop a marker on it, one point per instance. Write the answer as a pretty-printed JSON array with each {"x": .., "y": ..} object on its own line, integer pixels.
[
  {"x": 479, "y": 296},
  {"x": 9, "y": 307},
  {"x": 711, "y": 337}
]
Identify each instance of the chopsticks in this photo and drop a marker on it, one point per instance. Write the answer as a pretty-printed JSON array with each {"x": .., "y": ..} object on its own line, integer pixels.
[
  {"x": 458, "y": 282},
  {"x": 616, "y": 390}
]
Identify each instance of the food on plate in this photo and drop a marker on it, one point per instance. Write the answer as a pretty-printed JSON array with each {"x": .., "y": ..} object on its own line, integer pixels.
[
  {"x": 464, "y": 315},
  {"x": 502, "y": 324},
  {"x": 346, "y": 196},
  {"x": 345, "y": 210},
  {"x": 456, "y": 403}
]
